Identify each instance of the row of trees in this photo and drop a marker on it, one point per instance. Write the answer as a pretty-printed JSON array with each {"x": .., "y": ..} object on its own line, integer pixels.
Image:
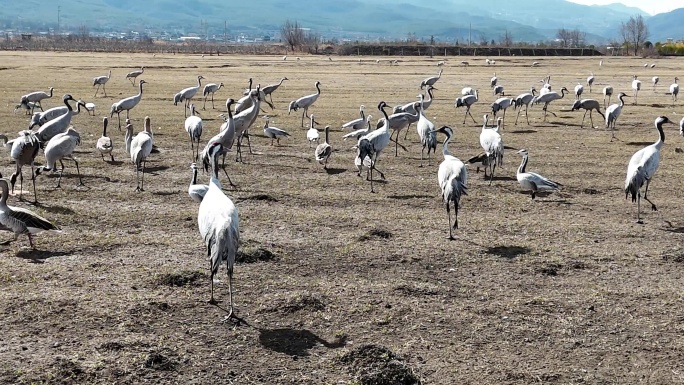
[{"x": 297, "y": 37}]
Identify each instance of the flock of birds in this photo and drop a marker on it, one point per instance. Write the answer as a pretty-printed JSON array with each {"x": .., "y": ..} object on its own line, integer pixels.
[{"x": 218, "y": 218}]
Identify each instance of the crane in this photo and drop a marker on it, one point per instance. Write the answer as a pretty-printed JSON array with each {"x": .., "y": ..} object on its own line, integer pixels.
[
  {"x": 210, "y": 88},
  {"x": 134, "y": 74},
  {"x": 452, "y": 177},
  {"x": 193, "y": 126},
  {"x": 274, "y": 132},
  {"x": 588, "y": 105},
  {"x": 607, "y": 91},
  {"x": 357, "y": 133},
  {"x": 549, "y": 97},
  {"x": 105, "y": 144},
  {"x": 186, "y": 95},
  {"x": 402, "y": 120},
  {"x": 305, "y": 102},
  {"x": 655, "y": 81},
  {"x": 324, "y": 150},
  {"x": 19, "y": 220},
  {"x": 531, "y": 181},
  {"x": 426, "y": 133},
  {"x": 24, "y": 150},
  {"x": 467, "y": 101},
  {"x": 492, "y": 144},
  {"x": 244, "y": 120},
  {"x": 312, "y": 134},
  {"x": 357, "y": 123},
  {"x": 226, "y": 136},
  {"x": 431, "y": 80},
  {"x": 101, "y": 81},
  {"x": 127, "y": 104},
  {"x": 502, "y": 104},
  {"x": 36, "y": 98},
  {"x": 579, "y": 88},
  {"x": 613, "y": 112},
  {"x": 373, "y": 143},
  {"x": 139, "y": 148},
  {"x": 40, "y": 118},
  {"x": 58, "y": 125},
  {"x": 60, "y": 147},
  {"x": 493, "y": 80},
  {"x": 219, "y": 225},
  {"x": 524, "y": 100},
  {"x": 642, "y": 167},
  {"x": 674, "y": 90},
  {"x": 636, "y": 86},
  {"x": 196, "y": 191},
  {"x": 590, "y": 80},
  {"x": 269, "y": 89}
]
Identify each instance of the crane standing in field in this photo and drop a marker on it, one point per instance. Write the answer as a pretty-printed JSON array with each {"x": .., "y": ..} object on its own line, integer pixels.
[
  {"x": 502, "y": 104},
  {"x": 271, "y": 88},
  {"x": 19, "y": 220},
  {"x": 36, "y": 98},
  {"x": 636, "y": 87},
  {"x": 492, "y": 144},
  {"x": 674, "y": 90},
  {"x": 58, "y": 125},
  {"x": 431, "y": 80},
  {"x": 452, "y": 177},
  {"x": 655, "y": 81},
  {"x": 134, "y": 74},
  {"x": 312, "y": 135},
  {"x": 226, "y": 137},
  {"x": 274, "y": 133},
  {"x": 549, "y": 97},
  {"x": 588, "y": 105},
  {"x": 324, "y": 150},
  {"x": 60, "y": 147},
  {"x": 139, "y": 148},
  {"x": 210, "y": 88},
  {"x": 467, "y": 101},
  {"x": 193, "y": 126},
  {"x": 357, "y": 123},
  {"x": 590, "y": 80},
  {"x": 101, "y": 81},
  {"x": 642, "y": 166},
  {"x": 305, "y": 102},
  {"x": 185, "y": 95},
  {"x": 127, "y": 104},
  {"x": 24, "y": 150},
  {"x": 613, "y": 112},
  {"x": 607, "y": 92},
  {"x": 105, "y": 144},
  {"x": 372, "y": 144},
  {"x": 219, "y": 226},
  {"x": 426, "y": 133},
  {"x": 524, "y": 100}
]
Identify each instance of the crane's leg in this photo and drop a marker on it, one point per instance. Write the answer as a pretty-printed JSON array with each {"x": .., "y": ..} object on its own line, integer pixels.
[
  {"x": 517, "y": 116},
  {"x": 407, "y": 131},
  {"x": 137, "y": 178},
  {"x": 60, "y": 174},
  {"x": 448, "y": 210},
  {"x": 104, "y": 89},
  {"x": 455, "y": 214},
  {"x": 653, "y": 206},
  {"x": 211, "y": 280},
  {"x": 33, "y": 177},
  {"x": 78, "y": 171},
  {"x": 96, "y": 90},
  {"x": 21, "y": 182},
  {"x": 204, "y": 106},
  {"x": 230, "y": 291},
  {"x": 270, "y": 96},
  {"x": 639, "y": 208},
  {"x": 372, "y": 166},
  {"x": 503, "y": 122},
  {"x": 127, "y": 111},
  {"x": 421, "y": 155},
  {"x": 303, "y": 113},
  {"x": 590, "y": 118},
  {"x": 584, "y": 116},
  {"x": 111, "y": 154},
  {"x": 142, "y": 179},
  {"x": 492, "y": 167},
  {"x": 30, "y": 237},
  {"x": 212, "y": 101},
  {"x": 249, "y": 142}
]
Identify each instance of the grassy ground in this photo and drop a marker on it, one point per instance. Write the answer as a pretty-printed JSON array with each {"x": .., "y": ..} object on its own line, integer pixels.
[{"x": 564, "y": 289}]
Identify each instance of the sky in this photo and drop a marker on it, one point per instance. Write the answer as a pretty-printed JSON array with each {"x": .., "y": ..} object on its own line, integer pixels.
[{"x": 651, "y": 6}]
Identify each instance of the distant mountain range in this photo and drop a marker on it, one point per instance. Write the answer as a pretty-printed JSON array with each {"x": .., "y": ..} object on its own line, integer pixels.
[{"x": 525, "y": 20}]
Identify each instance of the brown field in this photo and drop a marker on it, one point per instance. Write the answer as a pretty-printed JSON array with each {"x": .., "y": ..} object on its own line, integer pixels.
[{"x": 566, "y": 289}]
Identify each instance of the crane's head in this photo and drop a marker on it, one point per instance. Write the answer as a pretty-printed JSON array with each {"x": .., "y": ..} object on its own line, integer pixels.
[
  {"x": 199, "y": 77},
  {"x": 446, "y": 130},
  {"x": 142, "y": 82},
  {"x": 576, "y": 106},
  {"x": 362, "y": 107},
  {"x": 214, "y": 151},
  {"x": 317, "y": 84},
  {"x": 523, "y": 152},
  {"x": 229, "y": 102},
  {"x": 67, "y": 97},
  {"x": 622, "y": 95},
  {"x": 193, "y": 166},
  {"x": 676, "y": 78},
  {"x": 634, "y": 76},
  {"x": 285, "y": 78},
  {"x": 564, "y": 89},
  {"x": 105, "y": 121},
  {"x": 382, "y": 105},
  {"x": 662, "y": 120}
]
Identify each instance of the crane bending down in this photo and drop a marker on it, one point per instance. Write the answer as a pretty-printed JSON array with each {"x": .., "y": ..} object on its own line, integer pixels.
[
  {"x": 225, "y": 136},
  {"x": 127, "y": 104},
  {"x": 219, "y": 226},
  {"x": 372, "y": 144},
  {"x": 452, "y": 177},
  {"x": 305, "y": 102},
  {"x": 588, "y": 105},
  {"x": 134, "y": 74},
  {"x": 61, "y": 146},
  {"x": 531, "y": 181},
  {"x": 36, "y": 98},
  {"x": 642, "y": 166},
  {"x": 19, "y": 220}
]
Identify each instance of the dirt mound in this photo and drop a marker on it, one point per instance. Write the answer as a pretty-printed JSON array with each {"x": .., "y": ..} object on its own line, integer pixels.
[
  {"x": 184, "y": 278},
  {"x": 254, "y": 255},
  {"x": 376, "y": 233},
  {"x": 158, "y": 361},
  {"x": 298, "y": 302},
  {"x": 377, "y": 365}
]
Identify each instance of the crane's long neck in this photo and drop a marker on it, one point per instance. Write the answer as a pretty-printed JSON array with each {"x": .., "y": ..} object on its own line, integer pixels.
[
  {"x": 110, "y": 74},
  {"x": 141, "y": 90},
  {"x": 199, "y": 82},
  {"x": 523, "y": 164},
  {"x": 363, "y": 115},
  {"x": 429, "y": 92},
  {"x": 104, "y": 128},
  {"x": 5, "y": 193},
  {"x": 387, "y": 121},
  {"x": 66, "y": 101},
  {"x": 661, "y": 139},
  {"x": 445, "y": 146},
  {"x": 194, "y": 176},
  {"x": 318, "y": 88},
  {"x": 51, "y": 89},
  {"x": 622, "y": 101},
  {"x": 281, "y": 82},
  {"x": 327, "y": 130},
  {"x": 129, "y": 138}
]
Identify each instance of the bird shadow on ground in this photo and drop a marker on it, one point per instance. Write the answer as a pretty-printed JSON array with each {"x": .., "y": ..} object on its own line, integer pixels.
[
  {"x": 115, "y": 163},
  {"x": 406, "y": 197},
  {"x": 501, "y": 178},
  {"x": 638, "y": 143},
  {"x": 508, "y": 252},
  {"x": 156, "y": 168},
  {"x": 295, "y": 342},
  {"x": 38, "y": 256},
  {"x": 335, "y": 171},
  {"x": 523, "y": 131},
  {"x": 656, "y": 105},
  {"x": 676, "y": 230},
  {"x": 56, "y": 209},
  {"x": 166, "y": 193}
]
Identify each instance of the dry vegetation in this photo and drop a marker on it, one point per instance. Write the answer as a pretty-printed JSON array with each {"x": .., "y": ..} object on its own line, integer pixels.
[{"x": 566, "y": 289}]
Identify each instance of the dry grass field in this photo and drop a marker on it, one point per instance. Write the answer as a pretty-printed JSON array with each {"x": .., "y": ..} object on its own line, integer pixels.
[{"x": 565, "y": 289}]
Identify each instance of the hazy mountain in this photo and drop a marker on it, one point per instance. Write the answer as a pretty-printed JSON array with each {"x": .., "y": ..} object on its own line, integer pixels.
[
  {"x": 528, "y": 20},
  {"x": 666, "y": 25}
]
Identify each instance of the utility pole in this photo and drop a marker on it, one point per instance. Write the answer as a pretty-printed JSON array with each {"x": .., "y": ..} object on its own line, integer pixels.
[
  {"x": 470, "y": 34},
  {"x": 59, "y": 9},
  {"x": 225, "y": 32}
]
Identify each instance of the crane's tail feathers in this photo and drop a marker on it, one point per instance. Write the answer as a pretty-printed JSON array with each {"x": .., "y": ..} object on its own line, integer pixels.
[
  {"x": 365, "y": 148},
  {"x": 634, "y": 183}
]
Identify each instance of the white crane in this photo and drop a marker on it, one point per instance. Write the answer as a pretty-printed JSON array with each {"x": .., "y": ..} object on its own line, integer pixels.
[
  {"x": 186, "y": 95},
  {"x": 274, "y": 133},
  {"x": 499, "y": 90},
  {"x": 58, "y": 125},
  {"x": 524, "y": 100},
  {"x": 19, "y": 220},
  {"x": 225, "y": 137},
  {"x": 493, "y": 80},
  {"x": 305, "y": 102},
  {"x": 24, "y": 150},
  {"x": 101, "y": 81},
  {"x": 139, "y": 148},
  {"x": 134, "y": 74},
  {"x": 210, "y": 88},
  {"x": 549, "y": 97},
  {"x": 590, "y": 80},
  {"x": 244, "y": 120},
  {"x": 607, "y": 92},
  {"x": 431, "y": 80},
  {"x": 588, "y": 105},
  {"x": 531, "y": 181},
  {"x": 578, "y": 91},
  {"x": 493, "y": 146},
  {"x": 357, "y": 123},
  {"x": 193, "y": 126},
  {"x": 90, "y": 107},
  {"x": 359, "y": 133},
  {"x": 196, "y": 191},
  {"x": 324, "y": 150},
  {"x": 642, "y": 166},
  {"x": 40, "y": 118},
  {"x": 312, "y": 134},
  {"x": 60, "y": 147},
  {"x": 127, "y": 104},
  {"x": 105, "y": 144},
  {"x": 636, "y": 86},
  {"x": 36, "y": 98},
  {"x": 674, "y": 90},
  {"x": 452, "y": 177},
  {"x": 502, "y": 104},
  {"x": 219, "y": 226},
  {"x": 467, "y": 101},
  {"x": 465, "y": 91},
  {"x": 655, "y": 81},
  {"x": 269, "y": 89},
  {"x": 373, "y": 143},
  {"x": 613, "y": 112},
  {"x": 426, "y": 133}
]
